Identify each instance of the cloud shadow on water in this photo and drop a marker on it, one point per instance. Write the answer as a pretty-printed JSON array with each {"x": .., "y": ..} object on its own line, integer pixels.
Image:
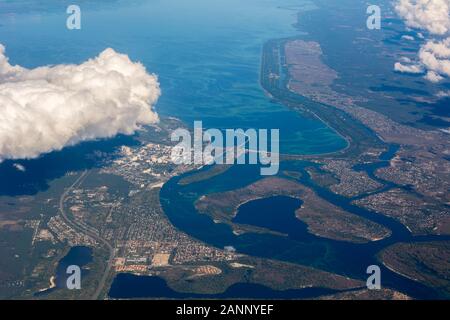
[{"x": 39, "y": 172}]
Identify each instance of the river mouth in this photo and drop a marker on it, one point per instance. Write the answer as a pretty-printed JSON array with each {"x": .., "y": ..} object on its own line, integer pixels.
[{"x": 227, "y": 95}]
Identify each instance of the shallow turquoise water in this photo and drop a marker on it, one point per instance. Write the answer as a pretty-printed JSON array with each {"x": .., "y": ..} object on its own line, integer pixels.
[
  {"x": 207, "y": 55},
  {"x": 205, "y": 52}
]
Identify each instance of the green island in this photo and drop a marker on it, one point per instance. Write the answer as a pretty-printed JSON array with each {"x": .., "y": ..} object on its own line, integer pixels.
[
  {"x": 323, "y": 218},
  {"x": 421, "y": 262},
  {"x": 114, "y": 207}
]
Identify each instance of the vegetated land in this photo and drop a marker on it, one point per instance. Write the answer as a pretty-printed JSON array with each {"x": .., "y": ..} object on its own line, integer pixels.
[
  {"x": 412, "y": 188},
  {"x": 426, "y": 262},
  {"x": 118, "y": 203},
  {"x": 421, "y": 215},
  {"x": 101, "y": 209},
  {"x": 366, "y": 294},
  {"x": 420, "y": 167},
  {"x": 276, "y": 275},
  {"x": 323, "y": 218},
  {"x": 31, "y": 250},
  {"x": 361, "y": 140},
  {"x": 327, "y": 220},
  {"x": 34, "y": 235}
]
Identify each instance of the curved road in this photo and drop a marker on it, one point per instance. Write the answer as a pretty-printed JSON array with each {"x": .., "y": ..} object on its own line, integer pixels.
[{"x": 82, "y": 228}]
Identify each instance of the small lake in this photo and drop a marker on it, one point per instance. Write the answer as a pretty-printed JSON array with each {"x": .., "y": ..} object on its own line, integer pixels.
[
  {"x": 274, "y": 213},
  {"x": 79, "y": 256}
]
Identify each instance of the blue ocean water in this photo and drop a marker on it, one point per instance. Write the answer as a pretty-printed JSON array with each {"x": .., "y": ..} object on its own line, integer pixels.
[
  {"x": 205, "y": 52},
  {"x": 207, "y": 56}
]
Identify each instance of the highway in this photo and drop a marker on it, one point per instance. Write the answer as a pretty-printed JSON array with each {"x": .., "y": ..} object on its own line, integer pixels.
[{"x": 89, "y": 231}]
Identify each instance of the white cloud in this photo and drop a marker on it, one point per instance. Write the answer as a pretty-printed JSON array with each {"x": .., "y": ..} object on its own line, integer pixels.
[
  {"x": 433, "y": 77},
  {"x": 405, "y": 59},
  {"x": 443, "y": 94},
  {"x": 431, "y": 15},
  {"x": 19, "y": 167},
  {"x": 407, "y": 37},
  {"x": 50, "y": 107},
  {"x": 413, "y": 68},
  {"x": 435, "y": 56}
]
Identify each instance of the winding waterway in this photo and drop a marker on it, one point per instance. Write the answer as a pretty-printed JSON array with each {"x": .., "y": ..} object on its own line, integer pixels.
[
  {"x": 304, "y": 248},
  {"x": 207, "y": 55},
  {"x": 131, "y": 286}
]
